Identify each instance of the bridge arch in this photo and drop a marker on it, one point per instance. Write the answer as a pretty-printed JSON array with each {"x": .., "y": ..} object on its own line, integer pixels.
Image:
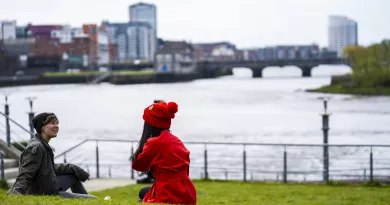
[
  {"x": 285, "y": 71},
  {"x": 242, "y": 72},
  {"x": 329, "y": 70}
]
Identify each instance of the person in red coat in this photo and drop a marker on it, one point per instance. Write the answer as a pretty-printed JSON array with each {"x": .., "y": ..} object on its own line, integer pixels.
[{"x": 163, "y": 154}]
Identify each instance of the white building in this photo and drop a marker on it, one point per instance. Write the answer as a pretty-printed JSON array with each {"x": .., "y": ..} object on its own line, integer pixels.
[
  {"x": 143, "y": 12},
  {"x": 103, "y": 41},
  {"x": 139, "y": 41},
  {"x": 66, "y": 34},
  {"x": 7, "y": 30},
  {"x": 342, "y": 32}
]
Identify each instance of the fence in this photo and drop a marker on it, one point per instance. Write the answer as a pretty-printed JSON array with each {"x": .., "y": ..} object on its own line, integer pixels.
[
  {"x": 236, "y": 161},
  {"x": 247, "y": 162}
]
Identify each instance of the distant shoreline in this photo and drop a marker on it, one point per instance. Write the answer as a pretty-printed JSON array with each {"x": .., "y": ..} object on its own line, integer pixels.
[
  {"x": 117, "y": 78},
  {"x": 340, "y": 89}
]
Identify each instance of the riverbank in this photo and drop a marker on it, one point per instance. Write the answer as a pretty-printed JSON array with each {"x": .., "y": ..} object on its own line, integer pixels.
[
  {"x": 340, "y": 89},
  {"x": 371, "y": 73},
  {"x": 117, "y": 78},
  {"x": 348, "y": 84}
]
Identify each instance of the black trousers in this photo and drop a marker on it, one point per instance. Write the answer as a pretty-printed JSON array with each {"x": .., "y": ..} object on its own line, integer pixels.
[
  {"x": 69, "y": 181},
  {"x": 142, "y": 193}
]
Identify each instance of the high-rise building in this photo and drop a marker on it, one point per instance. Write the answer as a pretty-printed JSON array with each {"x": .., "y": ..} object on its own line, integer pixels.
[
  {"x": 342, "y": 32},
  {"x": 143, "y": 12},
  {"x": 7, "y": 30},
  {"x": 133, "y": 40}
]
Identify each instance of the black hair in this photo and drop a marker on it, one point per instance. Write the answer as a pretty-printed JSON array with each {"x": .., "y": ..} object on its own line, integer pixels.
[{"x": 148, "y": 132}]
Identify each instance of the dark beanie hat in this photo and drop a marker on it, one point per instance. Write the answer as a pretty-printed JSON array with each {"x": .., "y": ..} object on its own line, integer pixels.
[
  {"x": 160, "y": 114},
  {"x": 38, "y": 120}
]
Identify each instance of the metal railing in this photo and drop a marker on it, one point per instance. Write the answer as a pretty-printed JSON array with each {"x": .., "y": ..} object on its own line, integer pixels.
[
  {"x": 245, "y": 161},
  {"x": 7, "y": 127},
  {"x": 2, "y": 166}
]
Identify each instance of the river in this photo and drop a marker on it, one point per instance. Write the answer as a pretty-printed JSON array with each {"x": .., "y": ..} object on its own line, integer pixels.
[{"x": 273, "y": 109}]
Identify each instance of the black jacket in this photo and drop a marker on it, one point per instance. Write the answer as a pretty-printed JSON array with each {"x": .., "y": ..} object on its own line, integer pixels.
[{"x": 37, "y": 171}]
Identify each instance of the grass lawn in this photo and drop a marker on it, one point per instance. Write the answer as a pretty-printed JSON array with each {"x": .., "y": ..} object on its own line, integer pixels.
[{"x": 237, "y": 193}]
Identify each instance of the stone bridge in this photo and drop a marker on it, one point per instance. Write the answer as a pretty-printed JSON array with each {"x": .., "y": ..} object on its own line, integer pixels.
[{"x": 210, "y": 69}]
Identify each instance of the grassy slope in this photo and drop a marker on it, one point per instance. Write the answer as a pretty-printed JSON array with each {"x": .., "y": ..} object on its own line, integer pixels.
[{"x": 238, "y": 193}]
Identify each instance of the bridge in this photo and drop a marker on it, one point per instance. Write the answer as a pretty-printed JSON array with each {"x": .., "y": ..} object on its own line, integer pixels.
[{"x": 210, "y": 69}]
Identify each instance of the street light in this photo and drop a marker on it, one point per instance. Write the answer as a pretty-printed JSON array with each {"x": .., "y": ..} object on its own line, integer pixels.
[{"x": 325, "y": 130}]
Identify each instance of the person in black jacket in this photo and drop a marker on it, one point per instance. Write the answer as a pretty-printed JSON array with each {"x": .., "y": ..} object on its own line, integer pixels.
[{"x": 38, "y": 174}]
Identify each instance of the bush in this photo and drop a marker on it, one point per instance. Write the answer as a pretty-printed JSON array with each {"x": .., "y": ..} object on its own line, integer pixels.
[
  {"x": 17, "y": 146},
  {"x": 4, "y": 184}
]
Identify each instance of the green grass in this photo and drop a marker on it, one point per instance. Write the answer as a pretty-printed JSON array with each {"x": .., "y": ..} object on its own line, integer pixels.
[
  {"x": 338, "y": 89},
  {"x": 65, "y": 74},
  {"x": 209, "y": 192},
  {"x": 134, "y": 73}
]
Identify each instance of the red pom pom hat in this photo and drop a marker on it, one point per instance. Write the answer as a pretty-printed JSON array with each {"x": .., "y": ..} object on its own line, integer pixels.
[{"x": 160, "y": 114}]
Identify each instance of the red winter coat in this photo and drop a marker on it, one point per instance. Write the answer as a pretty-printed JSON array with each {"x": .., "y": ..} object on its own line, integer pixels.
[{"x": 169, "y": 160}]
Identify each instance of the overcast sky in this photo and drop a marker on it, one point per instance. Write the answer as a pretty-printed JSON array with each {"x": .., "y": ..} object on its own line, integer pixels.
[{"x": 247, "y": 23}]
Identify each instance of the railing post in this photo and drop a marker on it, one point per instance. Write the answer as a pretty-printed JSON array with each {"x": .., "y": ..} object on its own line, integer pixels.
[
  {"x": 131, "y": 167},
  {"x": 2, "y": 176},
  {"x": 285, "y": 165},
  {"x": 65, "y": 158},
  {"x": 97, "y": 160},
  {"x": 31, "y": 116},
  {"x": 206, "y": 174},
  {"x": 365, "y": 175},
  {"x": 325, "y": 129},
  {"x": 244, "y": 163},
  {"x": 7, "y": 126},
  {"x": 371, "y": 166}
]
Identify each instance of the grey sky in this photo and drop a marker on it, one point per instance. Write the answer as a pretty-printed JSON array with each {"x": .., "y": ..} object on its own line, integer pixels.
[{"x": 247, "y": 23}]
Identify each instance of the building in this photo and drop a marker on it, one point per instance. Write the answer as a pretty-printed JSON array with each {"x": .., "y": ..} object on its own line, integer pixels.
[
  {"x": 215, "y": 51},
  {"x": 66, "y": 34},
  {"x": 177, "y": 57},
  {"x": 286, "y": 52},
  {"x": 342, "y": 32},
  {"x": 103, "y": 46},
  {"x": 41, "y": 31},
  {"x": 143, "y": 12},
  {"x": 18, "y": 47},
  {"x": 91, "y": 31},
  {"x": 21, "y": 32},
  {"x": 132, "y": 39},
  {"x": 77, "y": 52},
  {"x": 7, "y": 30}
]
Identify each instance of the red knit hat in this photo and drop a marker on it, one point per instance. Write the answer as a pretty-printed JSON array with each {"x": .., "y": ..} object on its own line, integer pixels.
[{"x": 160, "y": 114}]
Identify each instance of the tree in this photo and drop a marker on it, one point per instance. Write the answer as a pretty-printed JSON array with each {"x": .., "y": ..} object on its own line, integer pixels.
[{"x": 357, "y": 55}]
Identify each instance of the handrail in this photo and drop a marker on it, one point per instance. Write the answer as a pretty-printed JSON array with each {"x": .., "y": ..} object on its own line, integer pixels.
[
  {"x": 17, "y": 124},
  {"x": 72, "y": 148},
  {"x": 255, "y": 143},
  {"x": 231, "y": 143}
]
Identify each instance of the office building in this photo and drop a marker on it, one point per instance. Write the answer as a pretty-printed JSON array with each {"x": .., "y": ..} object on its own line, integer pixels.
[
  {"x": 342, "y": 32},
  {"x": 143, "y": 12},
  {"x": 133, "y": 40}
]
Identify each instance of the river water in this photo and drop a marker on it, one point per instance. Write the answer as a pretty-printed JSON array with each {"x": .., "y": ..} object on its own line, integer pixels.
[{"x": 273, "y": 109}]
